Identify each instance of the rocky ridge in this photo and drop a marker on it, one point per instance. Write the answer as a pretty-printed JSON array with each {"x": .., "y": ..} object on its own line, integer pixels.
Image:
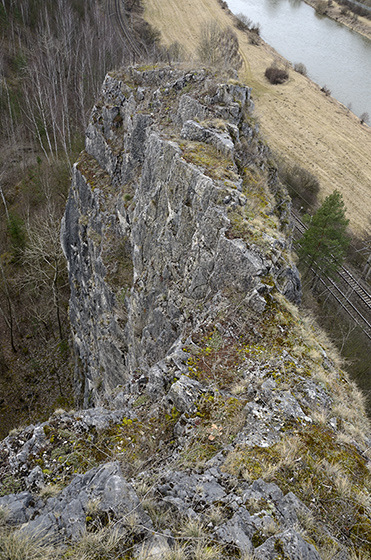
[
  {"x": 148, "y": 232},
  {"x": 223, "y": 426}
]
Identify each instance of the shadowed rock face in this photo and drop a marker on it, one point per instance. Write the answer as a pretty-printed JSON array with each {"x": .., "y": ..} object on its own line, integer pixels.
[{"x": 147, "y": 226}]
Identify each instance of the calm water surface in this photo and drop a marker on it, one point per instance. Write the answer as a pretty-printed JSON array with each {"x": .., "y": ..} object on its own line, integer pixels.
[{"x": 334, "y": 55}]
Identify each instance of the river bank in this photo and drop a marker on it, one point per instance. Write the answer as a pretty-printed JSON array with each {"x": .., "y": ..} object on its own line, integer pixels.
[
  {"x": 297, "y": 119},
  {"x": 358, "y": 24}
]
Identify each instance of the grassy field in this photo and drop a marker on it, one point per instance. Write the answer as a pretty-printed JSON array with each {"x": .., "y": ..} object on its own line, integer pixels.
[{"x": 298, "y": 121}]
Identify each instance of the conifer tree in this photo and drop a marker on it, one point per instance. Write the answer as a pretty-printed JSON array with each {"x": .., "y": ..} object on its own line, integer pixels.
[{"x": 325, "y": 242}]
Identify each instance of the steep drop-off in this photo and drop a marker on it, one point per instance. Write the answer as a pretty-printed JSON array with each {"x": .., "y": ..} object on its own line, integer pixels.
[
  {"x": 223, "y": 426},
  {"x": 172, "y": 171}
]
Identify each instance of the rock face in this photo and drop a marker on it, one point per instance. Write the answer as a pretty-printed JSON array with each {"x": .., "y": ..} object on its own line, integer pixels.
[
  {"x": 64, "y": 517},
  {"x": 222, "y": 427},
  {"x": 148, "y": 231}
]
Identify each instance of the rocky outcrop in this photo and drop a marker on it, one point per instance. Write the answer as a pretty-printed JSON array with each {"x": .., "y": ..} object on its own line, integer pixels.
[
  {"x": 223, "y": 427},
  {"x": 148, "y": 232},
  {"x": 104, "y": 489},
  {"x": 175, "y": 495}
]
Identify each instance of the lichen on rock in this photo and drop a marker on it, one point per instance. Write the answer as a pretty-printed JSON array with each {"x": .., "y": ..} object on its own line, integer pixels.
[
  {"x": 171, "y": 152},
  {"x": 217, "y": 423}
]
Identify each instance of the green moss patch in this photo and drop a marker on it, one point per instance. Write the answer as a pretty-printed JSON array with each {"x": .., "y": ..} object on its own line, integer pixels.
[
  {"x": 93, "y": 173},
  {"x": 215, "y": 164}
]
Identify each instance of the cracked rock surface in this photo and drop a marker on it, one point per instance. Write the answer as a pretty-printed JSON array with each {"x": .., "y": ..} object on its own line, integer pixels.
[{"x": 213, "y": 422}]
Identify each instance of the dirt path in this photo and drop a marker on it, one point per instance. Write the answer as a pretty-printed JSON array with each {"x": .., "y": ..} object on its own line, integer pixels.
[{"x": 297, "y": 119}]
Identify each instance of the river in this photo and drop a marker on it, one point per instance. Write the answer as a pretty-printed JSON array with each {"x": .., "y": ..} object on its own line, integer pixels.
[{"x": 333, "y": 54}]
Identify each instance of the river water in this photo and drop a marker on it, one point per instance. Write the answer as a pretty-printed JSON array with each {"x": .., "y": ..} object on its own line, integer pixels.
[{"x": 333, "y": 54}]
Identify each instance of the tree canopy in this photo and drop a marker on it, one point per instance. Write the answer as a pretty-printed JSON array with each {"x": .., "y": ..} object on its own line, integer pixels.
[{"x": 325, "y": 242}]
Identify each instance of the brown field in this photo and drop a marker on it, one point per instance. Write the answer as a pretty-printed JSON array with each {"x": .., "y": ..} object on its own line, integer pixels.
[{"x": 298, "y": 121}]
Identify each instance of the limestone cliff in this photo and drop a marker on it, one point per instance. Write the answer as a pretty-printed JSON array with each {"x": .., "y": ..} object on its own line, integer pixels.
[
  {"x": 172, "y": 161},
  {"x": 223, "y": 426}
]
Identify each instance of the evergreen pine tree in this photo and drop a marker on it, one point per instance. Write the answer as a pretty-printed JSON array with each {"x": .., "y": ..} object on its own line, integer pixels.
[{"x": 325, "y": 242}]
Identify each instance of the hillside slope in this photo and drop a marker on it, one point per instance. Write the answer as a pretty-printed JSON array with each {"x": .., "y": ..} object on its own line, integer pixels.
[
  {"x": 223, "y": 425},
  {"x": 299, "y": 121}
]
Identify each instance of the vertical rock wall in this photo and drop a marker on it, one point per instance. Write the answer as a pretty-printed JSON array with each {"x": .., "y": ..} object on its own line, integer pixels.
[{"x": 149, "y": 230}]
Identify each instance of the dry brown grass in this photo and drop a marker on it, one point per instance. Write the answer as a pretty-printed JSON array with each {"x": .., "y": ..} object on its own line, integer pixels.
[
  {"x": 296, "y": 118},
  {"x": 17, "y": 546}
]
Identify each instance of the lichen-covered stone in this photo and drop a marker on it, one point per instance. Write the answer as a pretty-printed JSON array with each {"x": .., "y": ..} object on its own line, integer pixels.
[
  {"x": 288, "y": 544},
  {"x": 18, "y": 508},
  {"x": 217, "y": 428},
  {"x": 154, "y": 189},
  {"x": 66, "y": 515},
  {"x": 184, "y": 393}
]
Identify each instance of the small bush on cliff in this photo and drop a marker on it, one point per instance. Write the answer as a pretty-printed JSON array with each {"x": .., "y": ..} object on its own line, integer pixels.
[{"x": 276, "y": 75}]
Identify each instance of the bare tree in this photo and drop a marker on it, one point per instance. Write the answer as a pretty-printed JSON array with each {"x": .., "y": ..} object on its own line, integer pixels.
[
  {"x": 44, "y": 263},
  {"x": 364, "y": 118},
  {"x": 3, "y": 197},
  {"x": 219, "y": 47},
  {"x": 8, "y": 315},
  {"x": 65, "y": 69}
]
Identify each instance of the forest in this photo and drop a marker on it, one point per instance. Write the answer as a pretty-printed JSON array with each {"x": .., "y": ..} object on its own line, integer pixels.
[{"x": 54, "y": 55}]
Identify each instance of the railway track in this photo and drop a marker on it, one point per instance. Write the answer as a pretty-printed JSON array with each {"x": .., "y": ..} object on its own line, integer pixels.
[
  {"x": 116, "y": 9},
  {"x": 361, "y": 5},
  {"x": 355, "y": 285},
  {"x": 346, "y": 289},
  {"x": 356, "y": 314}
]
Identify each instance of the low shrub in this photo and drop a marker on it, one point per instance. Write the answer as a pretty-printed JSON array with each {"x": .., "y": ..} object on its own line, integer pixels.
[
  {"x": 364, "y": 118},
  {"x": 149, "y": 35},
  {"x": 303, "y": 187},
  {"x": 255, "y": 28},
  {"x": 254, "y": 39},
  {"x": 326, "y": 90},
  {"x": 219, "y": 47},
  {"x": 321, "y": 7},
  {"x": 276, "y": 75},
  {"x": 243, "y": 22},
  {"x": 300, "y": 68},
  {"x": 254, "y": 34}
]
